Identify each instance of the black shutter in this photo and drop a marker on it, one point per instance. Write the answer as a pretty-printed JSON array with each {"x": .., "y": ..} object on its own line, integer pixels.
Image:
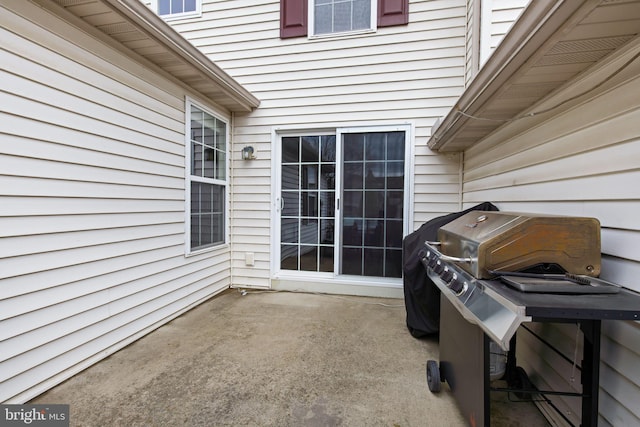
[{"x": 293, "y": 18}]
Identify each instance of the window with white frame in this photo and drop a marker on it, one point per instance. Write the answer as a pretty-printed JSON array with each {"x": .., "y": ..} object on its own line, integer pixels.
[
  {"x": 178, "y": 8},
  {"x": 206, "y": 179},
  {"x": 342, "y": 16}
]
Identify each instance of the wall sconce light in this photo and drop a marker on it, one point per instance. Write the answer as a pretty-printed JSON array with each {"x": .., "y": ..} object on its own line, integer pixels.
[{"x": 247, "y": 153}]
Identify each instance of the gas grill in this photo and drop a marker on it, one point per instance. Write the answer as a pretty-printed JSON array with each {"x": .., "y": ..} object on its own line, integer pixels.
[{"x": 498, "y": 270}]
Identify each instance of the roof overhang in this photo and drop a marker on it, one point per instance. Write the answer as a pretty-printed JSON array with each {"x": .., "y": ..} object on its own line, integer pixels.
[
  {"x": 137, "y": 28},
  {"x": 551, "y": 44}
]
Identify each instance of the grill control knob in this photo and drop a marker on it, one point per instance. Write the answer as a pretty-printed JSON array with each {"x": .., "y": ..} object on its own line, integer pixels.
[
  {"x": 432, "y": 261},
  {"x": 446, "y": 274},
  {"x": 438, "y": 268},
  {"x": 458, "y": 287}
]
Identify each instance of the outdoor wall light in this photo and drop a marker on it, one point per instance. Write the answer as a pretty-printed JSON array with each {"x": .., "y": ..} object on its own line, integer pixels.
[{"x": 247, "y": 153}]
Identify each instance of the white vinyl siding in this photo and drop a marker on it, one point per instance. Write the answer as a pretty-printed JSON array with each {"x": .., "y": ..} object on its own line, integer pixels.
[
  {"x": 397, "y": 75},
  {"x": 581, "y": 162},
  {"x": 92, "y": 202},
  {"x": 488, "y": 21}
]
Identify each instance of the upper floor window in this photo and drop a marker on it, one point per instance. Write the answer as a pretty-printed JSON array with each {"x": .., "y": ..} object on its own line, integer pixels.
[
  {"x": 300, "y": 18},
  {"x": 340, "y": 16},
  {"x": 178, "y": 8}
]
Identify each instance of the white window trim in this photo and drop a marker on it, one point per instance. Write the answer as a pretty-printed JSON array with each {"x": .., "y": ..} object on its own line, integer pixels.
[
  {"x": 189, "y": 178},
  {"x": 300, "y": 130},
  {"x": 174, "y": 16},
  {"x": 311, "y": 23}
]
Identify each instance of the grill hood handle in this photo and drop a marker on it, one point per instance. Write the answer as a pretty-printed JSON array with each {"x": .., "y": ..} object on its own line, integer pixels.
[{"x": 448, "y": 257}]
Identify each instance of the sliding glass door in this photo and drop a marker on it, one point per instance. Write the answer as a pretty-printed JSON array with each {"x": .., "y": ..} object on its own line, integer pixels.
[{"x": 342, "y": 204}]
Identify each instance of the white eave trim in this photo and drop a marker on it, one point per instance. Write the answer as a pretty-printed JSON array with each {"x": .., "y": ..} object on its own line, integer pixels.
[
  {"x": 532, "y": 31},
  {"x": 157, "y": 29}
]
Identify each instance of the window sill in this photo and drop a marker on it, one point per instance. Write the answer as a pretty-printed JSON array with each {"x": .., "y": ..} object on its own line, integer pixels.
[
  {"x": 178, "y": 16},
  {"x": 341, "y": 35},
  {"x": 196, "y": 252}
]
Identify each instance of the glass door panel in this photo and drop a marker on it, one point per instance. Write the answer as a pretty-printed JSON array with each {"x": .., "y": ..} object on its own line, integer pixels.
[
  {"x": 307, "y": 220},
  {"x": 373, "y": 201}
]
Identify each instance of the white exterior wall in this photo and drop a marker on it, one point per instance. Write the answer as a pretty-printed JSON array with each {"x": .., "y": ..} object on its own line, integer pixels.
[
  {"x": 581, "y": 162},
  {"x": 488, "y": 21},
  {"x": 404, "y": 74},
  {"x": 92, "y": 206}
]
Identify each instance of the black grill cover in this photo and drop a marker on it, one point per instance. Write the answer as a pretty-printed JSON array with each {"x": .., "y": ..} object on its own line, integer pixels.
[{"x": 421, "y": 295}]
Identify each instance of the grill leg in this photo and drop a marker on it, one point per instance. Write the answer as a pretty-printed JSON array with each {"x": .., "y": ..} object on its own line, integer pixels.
[{"x": 590, "y": 371}]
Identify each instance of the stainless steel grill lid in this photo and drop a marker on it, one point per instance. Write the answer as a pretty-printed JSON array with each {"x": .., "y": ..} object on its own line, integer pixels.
[{"x": 484, "y": 241}]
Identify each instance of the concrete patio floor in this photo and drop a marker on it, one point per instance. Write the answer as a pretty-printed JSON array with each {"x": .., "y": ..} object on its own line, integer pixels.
[{"x": 273, "y": 359}]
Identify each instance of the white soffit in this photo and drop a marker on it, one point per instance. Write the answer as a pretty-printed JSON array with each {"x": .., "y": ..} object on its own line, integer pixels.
[
  {"x": 135, "y": 26},
  {"x": 550, "y": 45}
]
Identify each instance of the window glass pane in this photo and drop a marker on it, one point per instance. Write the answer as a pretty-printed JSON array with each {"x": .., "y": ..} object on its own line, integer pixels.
[
  {"x": 352, "y": 261},
  {"x": 395, "y": 204},
  {"x": 206, "y": 229},
  {"x": 189, "y": 5},
  {"x": 327, "y": 229},
  {"x": 353, "y": 147},
  {"x": 328, "y": 148},
  {"x": 395, "y": 175},
  {"x": 289, "y": 257},
  {"x": 352, "y": 201},
  {"x": 176, "y": 6},
  {"x": 310, "y": 148},
  {"x": 308, "y": 258},
  {"x": 164, "y": 7},
  {"x": 290, "y": 149},
  {"x": 195, "y": 231},
  {"x": 208, "y": 130},
  {"x": 291, "y": 201},
  {"x": 322, "y": 22},
  {"x": 327, "y": 203},
  {"x": 309, "y": 231},
  {"x": 375, "y": 177},
  {"x": 328, "y": 177},
  {"x": 220, "y": 166},
  {"x": 309, "y": 203},
  {"x": 394, "y": 234},
  {"x": 374, "y": 233},
  {"x": 393, "y": 263},
  {"x": 375, "y": 146},
  {"x": 342, "y": 16},
  {"x": 289, "y": 230},
  {"x": 218, "y": 228},
  {"x": 353, "y": 175},
  {"x": 374, "y": 204},
  {"x": 221, "y": 135},
  {"x": 309, "y": 177},
  {"x": 208, "y": 163},
  {"x": 373, "y": 262},
  {"x": 395, "y": 146},
  {"x": 290, "y": 177},
  {"x": 196, "y": 159},
  {"x": 352, "y": 232},
  {"x": 326, "y": 259},
  {"x": 361, "y": 14}
]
